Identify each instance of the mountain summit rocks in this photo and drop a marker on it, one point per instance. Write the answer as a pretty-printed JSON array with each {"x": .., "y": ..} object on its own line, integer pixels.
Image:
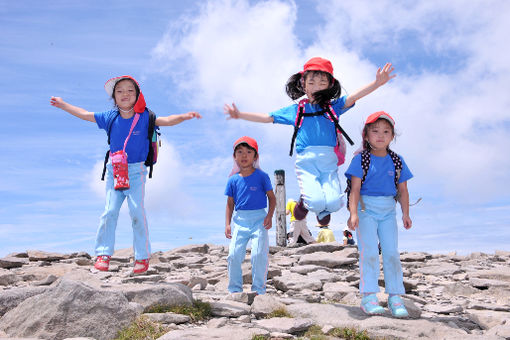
[{"x": 61, "y": 296}]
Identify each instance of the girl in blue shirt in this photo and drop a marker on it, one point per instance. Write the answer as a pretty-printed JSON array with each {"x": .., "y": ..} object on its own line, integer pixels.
[
  {"x": 129, "y": 101},
  {"x": 372, "y": 204},
  {"x": 316, "y": 139}
]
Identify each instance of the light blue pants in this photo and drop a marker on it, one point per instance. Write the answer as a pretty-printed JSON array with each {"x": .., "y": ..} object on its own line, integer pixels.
[
  {"x": 105, "y": 238},
  {"x": 317, "y": 175},
  {"x": 248, "y": 225},
  {"x": 378, "y": 223}
]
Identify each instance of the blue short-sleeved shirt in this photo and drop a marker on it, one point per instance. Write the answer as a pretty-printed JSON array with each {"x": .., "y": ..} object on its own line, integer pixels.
[
  {"x": 380, "y": 180},
  {"x": 316, "y": 130},
  {"x": 137, "y": 147},
  {"x": 249, "y": 193}
]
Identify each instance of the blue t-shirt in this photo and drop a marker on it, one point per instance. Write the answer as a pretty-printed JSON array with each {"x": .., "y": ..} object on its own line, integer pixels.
[
  {"x": 249, "y": 193},
  {"x": 380, "y": 180},
  {"x": 315, "y": 130},
  {"x": 137, "y": 147}
]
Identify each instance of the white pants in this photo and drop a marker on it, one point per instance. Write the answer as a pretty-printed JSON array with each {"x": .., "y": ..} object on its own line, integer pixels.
[{"x": 300, "y": 228}]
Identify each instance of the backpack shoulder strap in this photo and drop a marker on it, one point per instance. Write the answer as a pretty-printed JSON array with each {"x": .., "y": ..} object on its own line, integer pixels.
[
  {"x": 150, "y": 132},
  {"x": 397, "y": 163},
  {"x": 107, "y": 156},
  {"x": 365, "y": 165},
  {"x": 332, "y": 116},
  {"x": 297, "y": 124}
]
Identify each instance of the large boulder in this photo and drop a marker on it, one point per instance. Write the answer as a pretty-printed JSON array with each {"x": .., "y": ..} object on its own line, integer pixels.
[{"x": 70, "y": 309}]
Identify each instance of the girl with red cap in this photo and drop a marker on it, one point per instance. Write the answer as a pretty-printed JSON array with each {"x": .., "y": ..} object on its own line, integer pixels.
[
  {"x": 127, "y": 126},
  {"x": 315, "y": 122},
  {"x": 377, "y": 178}
]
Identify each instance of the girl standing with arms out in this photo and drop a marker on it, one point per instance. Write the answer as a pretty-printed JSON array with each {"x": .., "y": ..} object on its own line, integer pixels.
[
  {"x": 127, "y": 126},
  {"x": 316, "y": 138},
  {"x": 378, "y": 177},
  {"x": 248, "y": 191}
]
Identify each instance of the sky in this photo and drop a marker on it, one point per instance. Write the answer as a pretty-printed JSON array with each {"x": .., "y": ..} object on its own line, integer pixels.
[{"x": 450, "y": 102}]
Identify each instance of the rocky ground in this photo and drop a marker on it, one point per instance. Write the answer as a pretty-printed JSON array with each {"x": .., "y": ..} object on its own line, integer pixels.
[{"x": 61, "y": 296}]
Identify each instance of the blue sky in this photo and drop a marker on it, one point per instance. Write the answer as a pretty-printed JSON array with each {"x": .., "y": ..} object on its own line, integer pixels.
[{"x": 449, "y": 99}]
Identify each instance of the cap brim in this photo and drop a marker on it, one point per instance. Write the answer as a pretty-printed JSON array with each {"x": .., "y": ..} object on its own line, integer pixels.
[{"x": 110, "y": 84}]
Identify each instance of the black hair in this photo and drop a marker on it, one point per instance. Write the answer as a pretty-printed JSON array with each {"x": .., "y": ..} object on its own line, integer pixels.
[
  {"x": 137, "y": 88},
  {"x": 246, "y": 145},
  {"x": 366, "y": 144},
  {"x": 295, "y": 89}
]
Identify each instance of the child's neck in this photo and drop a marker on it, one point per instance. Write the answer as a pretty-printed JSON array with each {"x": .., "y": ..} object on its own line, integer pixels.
[
  {"x": 245, "y": 172},
  {"x": 126, "y": 114},
  {"x": 379, "y": 152}
]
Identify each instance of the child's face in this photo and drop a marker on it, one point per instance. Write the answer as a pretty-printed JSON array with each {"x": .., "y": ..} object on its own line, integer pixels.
[
  {"x": 315, "y": 82},
  {"x": 380, "y": 134},
  {"x": 125, "y": 94},
  {"x": 245, "y": 157}
]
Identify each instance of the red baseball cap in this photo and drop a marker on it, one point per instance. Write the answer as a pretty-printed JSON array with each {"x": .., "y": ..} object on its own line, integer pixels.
[
  {"x": 318, "y": 64},
  {"x": 248, "y": 140},
  {"x": 140, "y": 102},
  {"x": 380, "y": 114}
]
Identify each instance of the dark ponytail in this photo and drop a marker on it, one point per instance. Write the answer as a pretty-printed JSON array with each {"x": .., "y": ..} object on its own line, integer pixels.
[
  {"x": 294, "y": 86},
  {"x": 295, "y": 89}
]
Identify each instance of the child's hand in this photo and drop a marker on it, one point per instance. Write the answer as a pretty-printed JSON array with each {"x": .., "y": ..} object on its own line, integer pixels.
[
  {"x": 407, "y": 222},
  {"x": 268, "y": 222},
  {"x": 382, "y": 77},
  {"x": 228, "y": 232},
  {"x": 57, "y": 102},
  {"x": 191, "y": 115},
  {"x": 353, "y": 222},
  {"x": 231, "y": 111}
]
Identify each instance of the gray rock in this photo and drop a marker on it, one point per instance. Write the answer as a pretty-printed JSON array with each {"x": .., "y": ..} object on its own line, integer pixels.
[
  {"x": 265, "y": 304},
  {"x": 326, "y": 260},
  {"x": 440, "y": 270},
  {"x": 7, "y": 278},
  {"x": 166, "y": 294},
  {"x": 12, "y": 262},
  {"x": 37, "y": 255},
  {"x": 229, "y": 309},
  {"x": 231, "y": 332},
  {"x": 70, "y": 309},
  {"x": 328, "y": 247},
  {"x": 443, "y": 309},
  {"x": 284, "y": 325},
  {"x": 488, "y": 319},
  {"x": 296, "y": 282},
  {"x": 167, "y": 318},
  {"x": 336, "y": 291},
  {"x": 9, "y": 299}
]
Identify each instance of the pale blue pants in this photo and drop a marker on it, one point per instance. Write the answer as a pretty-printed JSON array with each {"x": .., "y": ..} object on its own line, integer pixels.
[
  {"x": 105, "y": 238},
  {"x": 248, "y": 225},
  {"x": 378, "y": 223},
  {"x": 317, "y": 175}
]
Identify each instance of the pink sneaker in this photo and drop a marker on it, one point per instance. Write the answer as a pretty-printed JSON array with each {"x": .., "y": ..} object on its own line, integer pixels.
[
  {"x": 102, "y": 263},
  {"x": 141, "y": 266}
]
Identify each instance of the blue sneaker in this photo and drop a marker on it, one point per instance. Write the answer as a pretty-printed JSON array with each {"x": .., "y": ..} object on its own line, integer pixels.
[
  {"x": 397, "y": 307},
  {"x": 370, "y": 305}
]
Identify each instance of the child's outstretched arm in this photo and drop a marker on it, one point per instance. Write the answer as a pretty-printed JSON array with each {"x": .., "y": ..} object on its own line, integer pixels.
[
  {"x": 268, "y": 220},
  {"x": 381, "y": 78},
  {"x": 74, "y": 110},
  {"x": 234, "y": 113},
  {"x": 353, "y": 220},
  {"x": 229, "y": 210},
  {"x": 404, "y": 204},
  {"x": 177, "y": 119}
]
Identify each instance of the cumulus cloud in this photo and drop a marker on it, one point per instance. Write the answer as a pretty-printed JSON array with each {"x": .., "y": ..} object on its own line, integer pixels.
[{"x": 449, "y": 98}]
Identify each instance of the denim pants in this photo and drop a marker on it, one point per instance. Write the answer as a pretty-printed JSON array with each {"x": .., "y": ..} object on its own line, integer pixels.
[
  {"x": 105, "y": 238},
  {"x": 378, "y": 224},
  {"x": 248, "y": 225},
  {"x": 317, "y": 175}
]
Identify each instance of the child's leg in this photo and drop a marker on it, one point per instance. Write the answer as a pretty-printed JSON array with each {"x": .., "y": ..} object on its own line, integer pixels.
[
  {"x": 392, "y": 268},
  {"x": 105, "y": 236},
  {"x": 330, "y": 183},
  {"x": 237, "y": 252},
  {"x": 136, "y": 196},
  {"x": 259, "y": 256},
  {"x": 368, "y": 252},
  {"x": 308, "y": 174},
  {"x": 295, "y": 234}
]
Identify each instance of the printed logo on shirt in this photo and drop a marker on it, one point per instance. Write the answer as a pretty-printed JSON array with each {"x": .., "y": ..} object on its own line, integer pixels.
[
  {"x": 136, "y": 132},
  {"x": 391, "y": 173},
  {"x": 253, "y": 188}
]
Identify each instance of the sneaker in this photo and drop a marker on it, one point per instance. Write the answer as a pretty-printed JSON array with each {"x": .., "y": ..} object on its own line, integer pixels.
[
  {"x": 397, "y": 307},
  {"x": 141, "y": 266},
  {"x": 325, "y": 220},
  {"x": 300, "y": 211},
  {"x": 102, "y": 263},
  {"x": 370, "y": 305}
]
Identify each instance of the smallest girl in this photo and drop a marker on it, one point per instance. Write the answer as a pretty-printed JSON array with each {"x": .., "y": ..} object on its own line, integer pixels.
[{"x": 377, "y": 178}]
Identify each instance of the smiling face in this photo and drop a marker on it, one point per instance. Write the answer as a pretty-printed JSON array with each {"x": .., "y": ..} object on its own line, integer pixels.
[
  {"x": 314, "y": 82},
  {"x": 125, "y": 94},
  {"x": 379, "y": 134},
  {"x": 245, "y": 156}
]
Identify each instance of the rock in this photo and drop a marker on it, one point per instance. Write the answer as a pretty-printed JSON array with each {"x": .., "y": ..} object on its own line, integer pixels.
[
  {"x": 295, "y": 281},
  {"x": 265, "y": 304},
  {"x": 12, "y": 262},
  {"x": 240, "y": 333},
  {"x": 326, "y": 260},
  {"x": 284, "y": 325},
  {"x": 165, "y": 294},
  {"x": 229, "y": 309},
  {"x": 7, "y": 278},
  {"x": 69, "y": 310},
  {"x": 37, "y": 255},
  {"x": 337, "y": 291},
  {"x": 440, "y": 270},
  {"x": 242, "y": 297},
  {"x": 443, "y": 309},
  {"x": 488, "y": 319},
  {"x": 9, "y": 299},
  {"x": 167, "y": 318}
]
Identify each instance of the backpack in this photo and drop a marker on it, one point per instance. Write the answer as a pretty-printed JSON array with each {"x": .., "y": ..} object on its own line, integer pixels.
[
  {"x": 365, "y": 165},
  {"x": 154, "y": 143},
  {"x": 329, "y": 113}
]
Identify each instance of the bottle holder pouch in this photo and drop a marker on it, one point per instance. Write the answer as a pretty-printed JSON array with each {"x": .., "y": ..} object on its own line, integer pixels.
[{"x": 120, "y": 170}]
